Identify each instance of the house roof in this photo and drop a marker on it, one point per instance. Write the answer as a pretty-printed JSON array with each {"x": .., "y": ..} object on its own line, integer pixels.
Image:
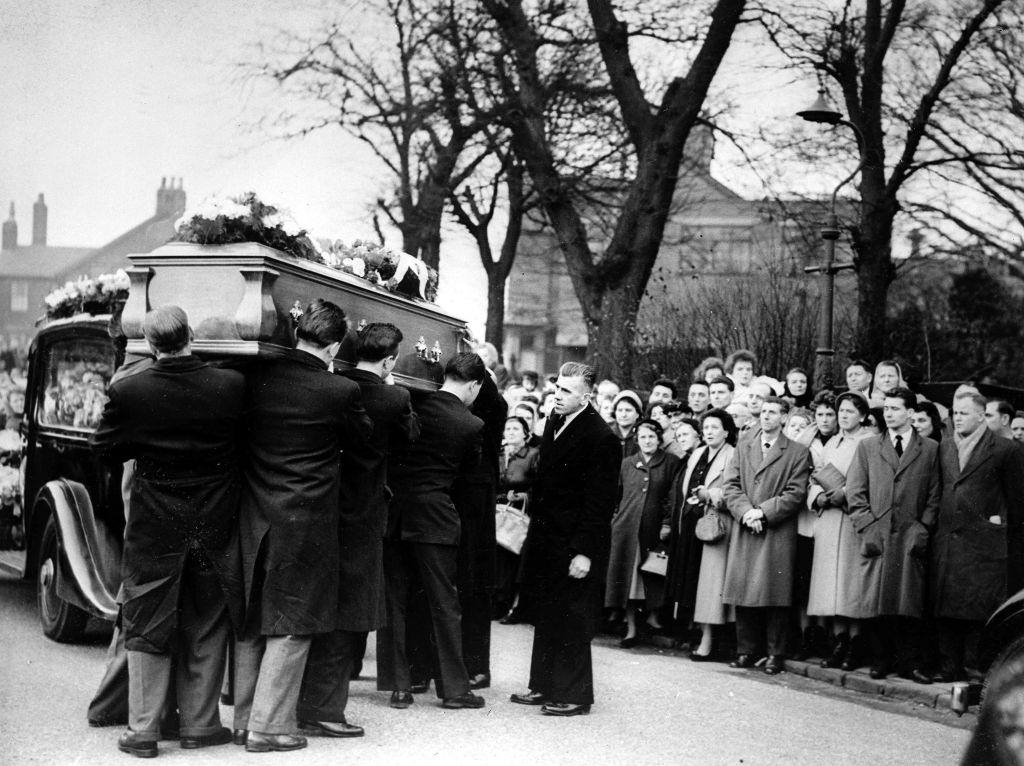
[
  {"x": 143, "y": 238},
  {"x": 40, "y": 261}
]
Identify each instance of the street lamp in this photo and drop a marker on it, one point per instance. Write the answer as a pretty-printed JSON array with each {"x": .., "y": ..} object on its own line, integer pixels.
[{"x": 822, "y": 113}]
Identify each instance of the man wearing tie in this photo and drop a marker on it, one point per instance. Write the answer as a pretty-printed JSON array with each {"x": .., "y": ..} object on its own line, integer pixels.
[
  {"x": 892, "y": 491},
  {"x": 566, "y": 550},
  {"x": 765, "y": 486}
]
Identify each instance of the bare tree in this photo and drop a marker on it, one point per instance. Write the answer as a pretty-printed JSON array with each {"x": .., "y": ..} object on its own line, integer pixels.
[{"x": 609, "y": 285}]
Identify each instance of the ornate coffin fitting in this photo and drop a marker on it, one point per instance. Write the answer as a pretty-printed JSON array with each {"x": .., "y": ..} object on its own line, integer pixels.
[{"x": 241, "y": 300}]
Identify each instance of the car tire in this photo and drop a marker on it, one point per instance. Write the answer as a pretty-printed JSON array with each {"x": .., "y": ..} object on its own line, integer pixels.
[
  {"x": 61, "y": 621},
  {"x": 1012, "y": 655}
]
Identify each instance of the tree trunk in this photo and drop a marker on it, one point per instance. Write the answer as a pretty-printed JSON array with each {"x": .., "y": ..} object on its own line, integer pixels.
[
  {"x": 610, "y": 348},
  {"x": 494, "y": 331},
  {"x": 875, "y": 269}
]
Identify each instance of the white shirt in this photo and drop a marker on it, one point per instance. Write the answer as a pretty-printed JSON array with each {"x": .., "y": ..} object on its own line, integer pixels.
[
  {"x": 568, "y": 419},
  {"x": 905, "y": 433}
]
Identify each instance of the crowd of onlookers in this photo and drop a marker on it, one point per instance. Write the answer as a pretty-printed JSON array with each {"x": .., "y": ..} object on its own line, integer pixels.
[{"x": 759, "y": 519}]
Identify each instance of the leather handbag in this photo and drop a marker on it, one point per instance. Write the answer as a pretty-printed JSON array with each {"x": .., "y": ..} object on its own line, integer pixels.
[
  {"x": 510, "y": 526},
  {"x": 656, "y": 563},
  {"x": 711, "y": 526}
]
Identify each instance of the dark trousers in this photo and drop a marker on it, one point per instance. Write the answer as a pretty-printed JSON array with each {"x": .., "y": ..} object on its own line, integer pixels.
[
  {"x": 560, "y": 666},
  {"x": 758, "y": 627},
  {"x": 958, "y": 643},
  {"x": 896, "y": 642},
  {"x": 332, "y": 657},
  {"x": 434, "y": 566},
  {"x": 476, "y": 632},
  {"x": 196, "y": 667}
]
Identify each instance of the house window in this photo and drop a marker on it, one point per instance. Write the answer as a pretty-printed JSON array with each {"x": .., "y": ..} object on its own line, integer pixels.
[{"x": 19, "y": 296}]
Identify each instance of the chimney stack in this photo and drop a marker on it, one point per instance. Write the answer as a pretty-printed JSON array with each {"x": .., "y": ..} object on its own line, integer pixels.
[
  {"x": 39, "y": 222},
  {"x": 10, "y": 232}
]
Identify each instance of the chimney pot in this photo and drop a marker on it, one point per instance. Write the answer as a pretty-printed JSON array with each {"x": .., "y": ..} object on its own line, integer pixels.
[
  {"x": 39, "y": 216},
  {"x": 9, "y": 238}
]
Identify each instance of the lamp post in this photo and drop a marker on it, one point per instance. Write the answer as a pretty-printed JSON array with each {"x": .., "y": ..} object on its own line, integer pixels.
[{"x": 820, "y": 112}]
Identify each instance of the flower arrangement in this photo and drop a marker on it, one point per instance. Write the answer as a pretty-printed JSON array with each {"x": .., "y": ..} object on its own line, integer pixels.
[
  {"x": 397, "y": 271},
  {"x": 88, "y": 296},
  {"x": 12, "y": 536}
]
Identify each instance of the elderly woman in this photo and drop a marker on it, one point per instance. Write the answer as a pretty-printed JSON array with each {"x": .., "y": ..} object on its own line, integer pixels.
[
  {"x": 518, "y": 470},
  {"x": 645, "y": 484},
  {"x": 888, "y": 376},
  {"x": 837, "y": 581},
  {"x": 703, "y": 483},
  {"x": 626, "y": 411}
]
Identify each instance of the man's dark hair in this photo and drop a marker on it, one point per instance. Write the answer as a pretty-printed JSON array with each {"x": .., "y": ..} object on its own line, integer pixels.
[
  {"x": 740, "y": 355},
  {"x": 579, "y": 370},
  {"x": 783, "y": 403},
  {"x": 166, "y": 328},
  {"x": 665, "y": 383},
  {"x": 698, "y": 383},
  {"x": 908, "y": 397},
  {"x": 321, "y": 324},
  {"x": 727, "y": 382},
  {"x": 1003, "y": 407},
  {"x": 467, "y": 366},
  {"x": 858, "y": 363},
  {"x": 377, "y": 341}
]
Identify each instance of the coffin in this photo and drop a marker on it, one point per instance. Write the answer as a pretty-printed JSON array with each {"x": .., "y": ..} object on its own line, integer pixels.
[{"x": 239, "y": 297}]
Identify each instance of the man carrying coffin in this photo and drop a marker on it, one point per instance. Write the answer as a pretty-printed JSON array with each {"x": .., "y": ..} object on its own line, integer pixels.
[{"x": 178, "y": 419}]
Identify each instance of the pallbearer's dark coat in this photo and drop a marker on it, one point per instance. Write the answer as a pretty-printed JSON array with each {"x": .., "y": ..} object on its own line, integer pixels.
[
  {"x": 976, "y": 564},
  {"x": 364, "y": 503},
  {"x": 299, "y": 419},
  {"x": 179, "y": 420},
  {"x": 570, "y": 513}
]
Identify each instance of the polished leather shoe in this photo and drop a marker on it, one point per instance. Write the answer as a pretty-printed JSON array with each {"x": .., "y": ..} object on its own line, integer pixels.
[
  {"x": 331, "y": 728},
  {"x": 265, "y": 743},
  {"x": 629, "y": 642},
  {"x": 530, "y": 698},
  {"x": 947, "y": 676},
  {"x": 564, "y": 709},
  {"x": 401, "y": 700},
  {"x": 420, "y": 687},
  {"x": 879, "y": 671},
  {"x": 776, "y": 664},
  {"x": 238, "y": 737},
  {"x": 743, "y": 661},
  {"x": 139, "y": 745},
  {"x": 221, "y": 737},
  {"x": 467, "y": 700},
  {"x": 709, "y": 657},
  {"x": 480, "y": 681}
]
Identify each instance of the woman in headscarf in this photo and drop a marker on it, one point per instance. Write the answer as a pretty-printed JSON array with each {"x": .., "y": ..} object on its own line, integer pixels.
[
  {"x": 626, "y": 411},
  {"x": 888, "y": 376}
]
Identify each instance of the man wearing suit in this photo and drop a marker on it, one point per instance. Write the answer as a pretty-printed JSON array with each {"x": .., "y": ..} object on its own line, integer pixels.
[
  {"x": 565, "y": 556},
  {"x": 765, "y": 486},
  {"x": 977, "y": 555},
  {"x": 363, "y": 519},
  {"x": 300, "y": 418},
  {"x": 892, "y": 491},
  {"x": 423, "y": 535},
  {"x": 178, "y": 419}
]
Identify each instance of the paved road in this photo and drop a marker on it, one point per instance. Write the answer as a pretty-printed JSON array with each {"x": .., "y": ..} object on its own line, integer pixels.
[{"x": 652, "y": 709}]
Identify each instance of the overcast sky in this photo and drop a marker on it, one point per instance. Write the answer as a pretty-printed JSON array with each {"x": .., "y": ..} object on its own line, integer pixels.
[{"x": 101, "y": 98}]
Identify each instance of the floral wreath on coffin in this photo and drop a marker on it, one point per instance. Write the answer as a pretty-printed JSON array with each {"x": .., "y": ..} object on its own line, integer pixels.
[
  {"x": 223, "y": 221},
  {"x": 88, "y": 296}
]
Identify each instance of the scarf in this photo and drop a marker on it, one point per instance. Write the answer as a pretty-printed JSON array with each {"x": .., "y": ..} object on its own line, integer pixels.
[{"x": 965, "y": 444}]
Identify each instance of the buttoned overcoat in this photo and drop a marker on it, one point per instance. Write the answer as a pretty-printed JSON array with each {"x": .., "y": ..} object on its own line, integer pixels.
[
  {"x": 760, "y": 568},
  {"x": 976, "y": 563},
  {"x": 893, "y": 503}
]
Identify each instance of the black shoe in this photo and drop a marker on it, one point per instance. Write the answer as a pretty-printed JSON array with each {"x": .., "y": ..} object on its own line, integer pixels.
[
  {"x": 879, "y": 670},
  {"x": 834, "y": 659},
  {"x": 809, "y": 644},
  {"x": 467, "y": 700},
  {"x": 419, "y": 687},
  {"x": 776, "y": 664},
  {"x": 564, "y": 709},
  {"x": 357, "y": 670},
  {"x": 221, "y": 737},
  {"x": 743, "y": 661},
  {"x": 513, "y": 617},
  {"x": 137, "y": 744},
  {"x": 266, "y": 743},
  {"x": 709, "y": 657},
  {"x": 629, "y": 642},
  {"x": 856, "y": 655},
  {"x": 401, "y": 700},
  {"x": 530, "y": 698},
  {"x": 480, "y": 681},
  {"x": 238, "y": 737},
  {"x": 916, "y": 675},
  {"x": 948, "y": 675},
  {"x": 331, "y": 728}
]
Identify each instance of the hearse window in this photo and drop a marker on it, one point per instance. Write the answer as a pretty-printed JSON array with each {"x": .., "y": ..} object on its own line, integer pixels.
[{"x": 75, "y": 383}]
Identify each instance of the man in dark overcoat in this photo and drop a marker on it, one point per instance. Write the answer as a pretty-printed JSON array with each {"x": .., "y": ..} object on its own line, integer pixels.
[
  {"x": 565, "y": 556},
  {"x": 423, "y": 535},
  {"x": 976, "y": 553},
  {"x": 765, "y": 486},
  {"x": 892, "y": 491},
  {"x": 474, "y": 499},
  {"x": 181, "y": 576},
  {"x": 364, "y": 513},
  {"x": 299, "y": 418}
]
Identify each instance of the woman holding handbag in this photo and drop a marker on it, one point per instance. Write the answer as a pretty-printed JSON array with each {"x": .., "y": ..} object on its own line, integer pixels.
[
  {"x": 703, "y": 483},
  {"x": 518, "y": 470},
  {"x": 645, "y": 483}
]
